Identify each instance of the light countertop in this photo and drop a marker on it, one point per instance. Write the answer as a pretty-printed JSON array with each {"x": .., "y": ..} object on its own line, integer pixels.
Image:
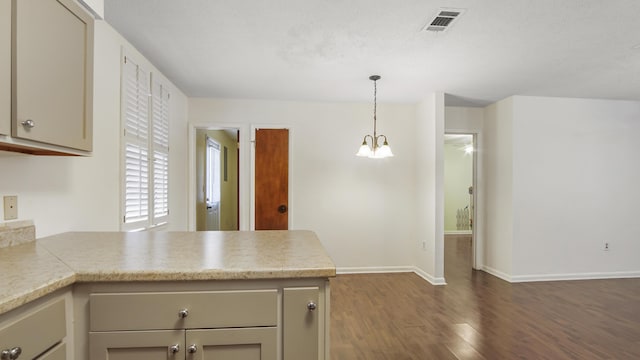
[{"x": 32, "y": 270}]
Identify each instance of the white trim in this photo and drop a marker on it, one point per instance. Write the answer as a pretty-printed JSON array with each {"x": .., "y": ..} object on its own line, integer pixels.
[
  {"x": 576, "y": 276},
  {"x": 433, "y": 281},
  {"x": 375, "y": 269},
  {"x": 458, "y": 232},
  {"x": 497, "y": 273},
  {"x": 391, "y": 269}
]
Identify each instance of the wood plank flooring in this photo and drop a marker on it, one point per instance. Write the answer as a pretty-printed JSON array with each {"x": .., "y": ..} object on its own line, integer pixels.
[{"x": 478, "y": 316}]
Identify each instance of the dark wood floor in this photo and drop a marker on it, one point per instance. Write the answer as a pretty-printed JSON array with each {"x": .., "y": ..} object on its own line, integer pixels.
[{"x": 478, "y": 316}]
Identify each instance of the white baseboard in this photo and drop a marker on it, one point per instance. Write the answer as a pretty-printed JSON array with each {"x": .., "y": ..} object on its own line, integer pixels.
[
  {"x": 458, "y": 232},
  {"x": 391, "y": 269},
  {"x": 374, "y": 269},
  {"x": 429, "y": 278},
  {"x": 496, "y": 273},
  {"x": 576, "y": 276}
]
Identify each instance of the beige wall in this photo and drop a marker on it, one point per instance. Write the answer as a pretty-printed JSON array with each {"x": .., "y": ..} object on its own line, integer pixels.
[
  {"x": 229, "y": 188},
  {"x": 458, "y": 177}
]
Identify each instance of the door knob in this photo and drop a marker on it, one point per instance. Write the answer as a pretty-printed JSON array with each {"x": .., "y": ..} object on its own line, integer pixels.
[
  {"x": 282, "y": 209},
  {"x": 311, "y": 306},
  {"x": 183, "y": 313},
  {"x": 174, "y": 349},
  {"x": 11, "y": 354},
  {"x": 192, "y": 349},
  {"x": 28, "y": 124}
]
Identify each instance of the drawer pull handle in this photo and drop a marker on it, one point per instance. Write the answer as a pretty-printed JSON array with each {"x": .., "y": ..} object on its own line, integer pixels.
[
  {"x": 183, "y": 313},
  {"x": 192, "y": 349},
  {"x": 28, "y": 124},
  {"x": 11, "y": 354},
  {"x": 311, "y": 306},
  {"x": 174, "y": 348}
]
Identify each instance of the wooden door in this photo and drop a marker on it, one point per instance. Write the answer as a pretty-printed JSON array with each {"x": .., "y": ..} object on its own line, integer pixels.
[
  {"x": 137, "y": 345},
  {"x": 272, "y": 179},
  {"x": 232, "y": 344},
  {"x": 5, "y": 67},
  {"x": 53, "y": 68},
  {"x": 302, "y": 314}
]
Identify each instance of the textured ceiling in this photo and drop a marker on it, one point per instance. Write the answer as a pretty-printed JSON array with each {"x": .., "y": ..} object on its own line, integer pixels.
[{"x": 325, "y": 50}]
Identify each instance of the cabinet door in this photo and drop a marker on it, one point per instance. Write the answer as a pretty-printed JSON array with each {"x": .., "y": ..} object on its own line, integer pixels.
[
  {"x": 136, "y": 345},
  {"x": 52, "y": 73},
  {"x": 232, "y": 344},
  {"x": 302, "y": 314},
  {"x": 5, "y": 67},
  {"x": 36, "y": 331},
  {"x": 57, "y": 353}
]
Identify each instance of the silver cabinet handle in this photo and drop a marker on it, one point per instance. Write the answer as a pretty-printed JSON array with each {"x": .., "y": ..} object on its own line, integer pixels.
[
  {"x": 192, "y": 349},
  {"x": 311, "y": 306},
  {"x": 11, "y": 354},
  {"x": 28, "y": 124},
  {"x": 174, "y": 348},
  {"x": 183, "y": 313}
]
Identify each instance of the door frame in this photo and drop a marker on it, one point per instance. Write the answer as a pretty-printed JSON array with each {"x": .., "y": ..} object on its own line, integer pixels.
[
  {"x": 477, "y": 240},
  {"x": 243, "y": 142},
  {"x": 252, "y": 196}
]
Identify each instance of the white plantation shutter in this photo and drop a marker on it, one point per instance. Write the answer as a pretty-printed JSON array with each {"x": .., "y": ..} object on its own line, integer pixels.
[
  {"x": 160, "y": 148},
  {"x": 145, "y": 149}
]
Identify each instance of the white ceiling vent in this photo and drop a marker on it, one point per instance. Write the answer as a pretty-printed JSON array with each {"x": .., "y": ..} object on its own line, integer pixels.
[{"x": 443, "y": 20}]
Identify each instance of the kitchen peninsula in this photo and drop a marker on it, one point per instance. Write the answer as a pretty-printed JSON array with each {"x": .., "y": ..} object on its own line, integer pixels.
[{"x": 177, "y": 295}]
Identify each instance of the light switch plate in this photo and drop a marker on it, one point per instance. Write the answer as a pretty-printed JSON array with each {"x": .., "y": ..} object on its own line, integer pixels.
[{"x": 10, "y": 207}]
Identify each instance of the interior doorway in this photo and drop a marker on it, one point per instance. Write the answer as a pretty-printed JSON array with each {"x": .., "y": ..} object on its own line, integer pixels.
[
  {"x": 217, "y": 178},
  {"x": 460, "y": 210}
]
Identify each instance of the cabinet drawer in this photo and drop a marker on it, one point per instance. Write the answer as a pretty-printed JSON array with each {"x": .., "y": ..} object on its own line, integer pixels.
[
  {"x": 57, "y": 353},
  {"x": 37, "y": 331},
  {"x": 155, "y": 311}
]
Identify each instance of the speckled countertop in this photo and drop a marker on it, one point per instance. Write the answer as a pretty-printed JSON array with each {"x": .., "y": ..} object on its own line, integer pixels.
[{"x": 31, "y": 270}]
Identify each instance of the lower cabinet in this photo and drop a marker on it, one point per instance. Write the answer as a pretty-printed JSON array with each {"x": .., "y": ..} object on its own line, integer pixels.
[
  {"x": 219, "y": 344},
  {"x": 35, "y": 331},
  {"x": 262, "y": 324}
]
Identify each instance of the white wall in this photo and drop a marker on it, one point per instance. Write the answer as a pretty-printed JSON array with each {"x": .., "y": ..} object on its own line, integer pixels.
[
  {"x": 83, "y": 193},
  {"x": 575, "y": 186},
  {"x": 496, "y": 151},
  {"x": 429, "y": 193},
  {"x": 361, "y": 209}
]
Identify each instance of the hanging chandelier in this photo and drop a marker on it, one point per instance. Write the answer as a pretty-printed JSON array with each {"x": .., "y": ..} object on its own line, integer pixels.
[{"x": 373, "y": 149}]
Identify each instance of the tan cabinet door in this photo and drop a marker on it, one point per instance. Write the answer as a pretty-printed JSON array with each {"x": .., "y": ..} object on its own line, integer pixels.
[
  {"x": 302, "y": 314},
  {"x": 5, "y": 67},
  {"x": 137, "y": 345},
  {"x": 37, "y": 331},
  {"x": 52, "y": 73},
  {"x": 57, "y": 353},
  {"x": 232, "y": 344}
]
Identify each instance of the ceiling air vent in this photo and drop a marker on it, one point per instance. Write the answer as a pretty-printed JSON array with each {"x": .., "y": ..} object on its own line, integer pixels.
[{"x": 443, "y": 20}]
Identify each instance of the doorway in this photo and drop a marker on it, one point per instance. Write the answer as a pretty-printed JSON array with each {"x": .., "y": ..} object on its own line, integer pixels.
[
  {"x": 459, "y": 204},
  {"x": 217, "y": 175}
]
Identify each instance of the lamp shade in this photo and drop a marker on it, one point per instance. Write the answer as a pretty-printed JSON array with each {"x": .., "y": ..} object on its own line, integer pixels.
[{"x": 364, "y": 151}]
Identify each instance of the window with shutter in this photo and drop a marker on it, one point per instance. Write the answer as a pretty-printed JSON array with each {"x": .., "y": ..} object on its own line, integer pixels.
[{"x": 145, "y": 148}]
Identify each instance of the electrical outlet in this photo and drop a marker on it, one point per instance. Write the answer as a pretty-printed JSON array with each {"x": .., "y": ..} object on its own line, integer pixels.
[
  {"x": 10, "y": 207},
  {"x": 424, "y": 246},
  {"x": 606, "y": 246}
]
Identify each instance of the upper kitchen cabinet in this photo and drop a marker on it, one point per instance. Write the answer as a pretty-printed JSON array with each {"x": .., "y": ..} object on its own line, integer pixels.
[
  {"x": 5, "y": 67},
  {"x": 51, "y": 77}
]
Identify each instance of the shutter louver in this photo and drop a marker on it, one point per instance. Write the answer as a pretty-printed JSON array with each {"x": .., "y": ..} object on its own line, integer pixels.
[
  {"x": 160, "y": 145},
  {"x": 145, "y": 149},
  {"x": 135, "y": 98}
]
